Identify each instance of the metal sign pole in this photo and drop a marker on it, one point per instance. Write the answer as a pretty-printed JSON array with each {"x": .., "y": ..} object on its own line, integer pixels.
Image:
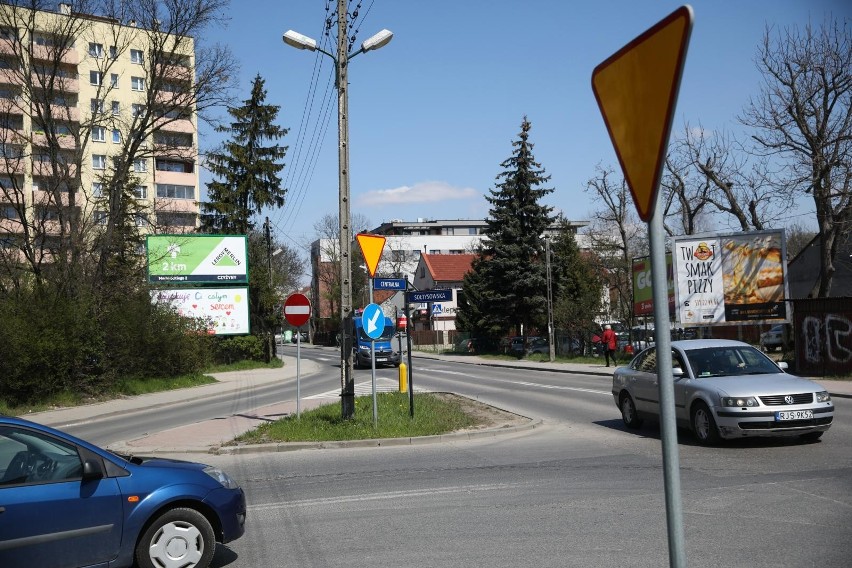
[
  {"x": 298, "y": 373},
  {"x": 408, "y": 327},
  {"x": 373, "y": 365}
]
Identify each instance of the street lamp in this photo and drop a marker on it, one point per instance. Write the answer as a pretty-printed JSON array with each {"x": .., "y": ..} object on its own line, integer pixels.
[{"x": 299, "y": 41}]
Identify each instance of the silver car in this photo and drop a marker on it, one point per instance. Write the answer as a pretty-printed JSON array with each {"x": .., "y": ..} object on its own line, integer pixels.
[{"x": 724, "y": 389}]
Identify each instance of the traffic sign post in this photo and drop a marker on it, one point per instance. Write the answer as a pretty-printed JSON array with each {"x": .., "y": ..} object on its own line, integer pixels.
[
  {"x": 297, "y": 312},
  {"x": 373, "y": 323},
  {"x": 636, "y": 90}
]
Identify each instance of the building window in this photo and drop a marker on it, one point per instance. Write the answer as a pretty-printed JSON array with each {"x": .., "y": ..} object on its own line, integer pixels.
[
  {"x": 176, "y": 219},
  {"x": 116, "y": 136},
  {"x": 98, "y": 162},
  {"x": 96, "y": 78},
  {"x": 116, "y": 107},
  {"x": 97, "y": 105},
  {"x": 140, "y": 165},
  {"x": 113, "y": 80},
  {"x": 141, "y": 220},
  {"x": 97, "y": 189},
  {"x": 164, "y": 165},
  {"x": 175, "y": 191},
  {"x": 137, "y": 83},
  {"x": 141, "y": 192},
  {"x": 100, "y": 217},
  {"x": 98, "y": 134},
  {"x": 136, "y": 56},
  {"x": 113, "y": 52},
  {"x": 137, "y": 110},
  {"x": 96, "y": 50},
  {"x": 8, "y": 212}
]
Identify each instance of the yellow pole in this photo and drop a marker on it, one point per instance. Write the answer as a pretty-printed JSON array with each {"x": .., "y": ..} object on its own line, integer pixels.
[{"x": 403, "y": 378}]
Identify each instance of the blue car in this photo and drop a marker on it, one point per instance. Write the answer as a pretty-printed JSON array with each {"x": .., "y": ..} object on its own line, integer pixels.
[{"x": 67, "y": 503}]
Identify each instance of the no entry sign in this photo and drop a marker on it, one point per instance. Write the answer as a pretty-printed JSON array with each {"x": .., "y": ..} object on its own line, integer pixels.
[{"x": 297, "y": 310}]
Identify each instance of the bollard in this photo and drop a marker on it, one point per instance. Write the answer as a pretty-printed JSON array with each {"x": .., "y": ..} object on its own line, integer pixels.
[{"x": 403, "y": 378}]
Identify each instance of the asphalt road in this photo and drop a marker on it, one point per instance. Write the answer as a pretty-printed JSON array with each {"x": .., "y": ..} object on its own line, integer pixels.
[{"x": 578, "y": 491}]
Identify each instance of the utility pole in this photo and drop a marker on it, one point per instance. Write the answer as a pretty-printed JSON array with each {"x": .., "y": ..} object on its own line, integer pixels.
[
  {"x": 347, "y": 395},
  {"x": 551, "y": 346}
]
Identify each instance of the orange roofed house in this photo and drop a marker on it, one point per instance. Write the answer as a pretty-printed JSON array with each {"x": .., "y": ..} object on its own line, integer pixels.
[{"x": 440, "y": 272}]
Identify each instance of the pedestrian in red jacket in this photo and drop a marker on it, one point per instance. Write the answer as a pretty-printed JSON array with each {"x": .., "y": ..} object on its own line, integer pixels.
[{"x": 609, "y": 344}]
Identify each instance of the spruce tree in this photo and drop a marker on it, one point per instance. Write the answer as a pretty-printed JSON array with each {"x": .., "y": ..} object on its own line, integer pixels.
[
  {"x": 245, "y": 169},
  {"x": 507, "y": 286}
]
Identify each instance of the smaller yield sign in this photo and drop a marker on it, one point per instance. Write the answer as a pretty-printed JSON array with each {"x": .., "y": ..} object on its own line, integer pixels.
[
  {"x": 297, "y": 310},
  {"x": 371, "y": 247}
]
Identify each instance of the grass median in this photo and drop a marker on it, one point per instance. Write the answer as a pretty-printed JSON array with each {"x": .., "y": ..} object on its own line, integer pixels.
[{"x": 434, "y": 413}]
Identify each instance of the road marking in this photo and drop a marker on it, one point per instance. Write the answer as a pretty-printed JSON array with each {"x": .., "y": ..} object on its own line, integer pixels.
[
  {"x": 521, "y": 383},
  {"x": 365, "y": 388}
]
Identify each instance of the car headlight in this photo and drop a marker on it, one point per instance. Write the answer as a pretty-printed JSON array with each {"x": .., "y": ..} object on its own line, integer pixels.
[
  {"x": 364, "y": 349},
  {"x": 222, "y": 477},
  {"x": 739, "y": 401},
  {"x": 823, "y": 396}
]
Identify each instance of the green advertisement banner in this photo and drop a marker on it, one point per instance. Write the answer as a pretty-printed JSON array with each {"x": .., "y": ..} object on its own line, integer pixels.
[{"x": 182, "y": 259}]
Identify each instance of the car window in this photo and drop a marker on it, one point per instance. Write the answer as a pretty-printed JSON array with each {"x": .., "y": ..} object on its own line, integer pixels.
[
  {"x": 647, "y": 362},
  {"x": 729, "y": 361},
  {"x": 28, "y": 458}
]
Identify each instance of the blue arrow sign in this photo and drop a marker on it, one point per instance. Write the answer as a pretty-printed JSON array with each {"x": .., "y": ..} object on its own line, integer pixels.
[
  {"x": 430, "y": 296},
  {"x": 388, "y": 283},
  {"x": 373, "y": 320}
]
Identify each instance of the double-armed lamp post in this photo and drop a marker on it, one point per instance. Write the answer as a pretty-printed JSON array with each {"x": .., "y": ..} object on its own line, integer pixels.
[{"x": 341, "y": 60}]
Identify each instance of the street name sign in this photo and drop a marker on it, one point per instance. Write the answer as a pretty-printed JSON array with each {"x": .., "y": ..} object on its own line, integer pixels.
[
  {"x": 389, "y": 283},
  {"x": 422, "y": 296},
  {"x": 636, "y": 89},
  {"x": 297, "y": 309}
]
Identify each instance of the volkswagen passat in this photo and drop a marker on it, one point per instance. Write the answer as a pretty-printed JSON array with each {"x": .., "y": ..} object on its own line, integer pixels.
[
  {"x": 724, "y": 389},
  {"x": 68, "y": 503}
]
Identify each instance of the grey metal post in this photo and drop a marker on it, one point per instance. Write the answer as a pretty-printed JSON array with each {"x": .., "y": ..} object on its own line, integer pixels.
[
  {"x": 552, "y": 349},
  {"x": 668, "y": 426}
]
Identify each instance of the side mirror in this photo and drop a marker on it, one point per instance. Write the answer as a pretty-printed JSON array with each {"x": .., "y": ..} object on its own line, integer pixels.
[
  {"x": 678, "y": 372},
  {"x": 92, "y": 469},
  {"x": 782, "y": 365}
]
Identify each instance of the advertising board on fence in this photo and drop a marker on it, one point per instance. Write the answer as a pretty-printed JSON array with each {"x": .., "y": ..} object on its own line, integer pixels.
[
  {"x": 224, "y": 311},
  {"x": 643, "y": 300},
  {"x": 213, "y": 259},
  {"x": 730, "y": 278}
]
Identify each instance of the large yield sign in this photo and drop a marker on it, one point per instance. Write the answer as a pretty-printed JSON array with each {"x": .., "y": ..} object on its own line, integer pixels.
[
  {"x": 636, "y": 89},
  {"x": 371, "y": 247}
]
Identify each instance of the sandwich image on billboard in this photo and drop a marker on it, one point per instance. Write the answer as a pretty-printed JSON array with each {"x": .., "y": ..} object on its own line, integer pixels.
[{"x": 730, "y": 278}]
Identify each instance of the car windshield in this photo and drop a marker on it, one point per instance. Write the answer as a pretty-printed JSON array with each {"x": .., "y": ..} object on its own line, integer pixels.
[
  {"x": 387, "y": 334},
  {"x": 729, "y": 361}
]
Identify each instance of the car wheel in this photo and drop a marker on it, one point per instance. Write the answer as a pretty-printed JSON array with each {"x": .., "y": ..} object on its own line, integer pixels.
[
  {"x": 811, "y": 436},
  {"x": 180, "y": 537},
  {"x": 628, "y": 412},
  {"x": 704, "y": 425}
]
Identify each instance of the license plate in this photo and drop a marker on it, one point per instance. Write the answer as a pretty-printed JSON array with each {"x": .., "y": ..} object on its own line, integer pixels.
[
  {"x": 381, "y": 358},
  {"x": 794, "y": 415}
]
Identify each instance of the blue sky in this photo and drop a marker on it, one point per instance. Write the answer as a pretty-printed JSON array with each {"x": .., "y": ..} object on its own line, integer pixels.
[{"x": 434, "y": 113}]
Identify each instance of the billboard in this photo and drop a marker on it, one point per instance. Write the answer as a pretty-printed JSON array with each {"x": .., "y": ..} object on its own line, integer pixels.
[
  {"x": 225, "y": 311},
  {"x": 210, "y": 259},
  {"x": 643, "y": 293},
  {"x": 730, "y": 278}
]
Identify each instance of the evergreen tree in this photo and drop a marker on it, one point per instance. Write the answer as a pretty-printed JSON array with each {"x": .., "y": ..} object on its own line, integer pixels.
[
  {"x": 507, "y": 286},
  {"x": 246, "y": 171},
  {"x": 577, "y": 286}
]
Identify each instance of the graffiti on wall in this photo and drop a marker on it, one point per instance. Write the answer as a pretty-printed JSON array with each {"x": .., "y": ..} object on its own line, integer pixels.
[{"x": 829, "y": 336}]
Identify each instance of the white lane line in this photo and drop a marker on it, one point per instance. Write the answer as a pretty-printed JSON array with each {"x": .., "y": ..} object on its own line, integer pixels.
[
  {"x": 365, "y": 388},
  {"x": 521, "y": 383}
]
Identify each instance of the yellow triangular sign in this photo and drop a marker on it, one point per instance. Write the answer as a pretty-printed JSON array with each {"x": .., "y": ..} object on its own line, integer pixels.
[
  {"x": 371, "y": 247},
  {"x": 636, "y": 89}
]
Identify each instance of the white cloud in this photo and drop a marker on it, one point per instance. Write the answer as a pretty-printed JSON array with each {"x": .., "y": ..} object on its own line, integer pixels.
[{"x": 423, "y": 192}]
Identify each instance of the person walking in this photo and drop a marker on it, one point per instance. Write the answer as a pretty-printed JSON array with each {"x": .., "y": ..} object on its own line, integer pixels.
[{"x": 609, "y": 343}]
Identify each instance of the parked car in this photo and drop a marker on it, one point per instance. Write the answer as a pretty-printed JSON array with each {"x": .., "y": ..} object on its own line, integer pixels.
[
  {"x": 467, "y": 345},
  {"x": 512, "y": 345},
  {"x": 67, "y": 503},
  {"x": 772, "y": 339},
  {"x": 296, "y": 337},
  {"x": 724, "y": 389},
  {"x": 539, "y": 345}
]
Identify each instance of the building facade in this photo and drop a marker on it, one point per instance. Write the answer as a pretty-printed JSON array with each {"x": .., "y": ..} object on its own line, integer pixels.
[{"x": 97, "y": 128}]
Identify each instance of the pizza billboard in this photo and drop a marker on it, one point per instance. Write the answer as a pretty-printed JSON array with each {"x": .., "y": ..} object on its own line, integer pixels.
[
  {"x": 223, "y": 311},
  {"x": 730, "y": 278},
  {"x": 197, "y": 259}
]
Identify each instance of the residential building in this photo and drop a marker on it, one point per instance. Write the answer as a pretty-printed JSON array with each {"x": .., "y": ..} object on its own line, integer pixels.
[
  {"x": 74, "y": 111},
  {"x": 440, "y": 272}
]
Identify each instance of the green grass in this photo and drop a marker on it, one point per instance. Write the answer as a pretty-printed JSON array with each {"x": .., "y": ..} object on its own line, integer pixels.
[
  {"x": 433, "y": 415},
  {"x": 133, "y": 387}
]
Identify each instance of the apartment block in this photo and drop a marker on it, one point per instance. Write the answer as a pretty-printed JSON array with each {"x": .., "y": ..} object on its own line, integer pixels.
[{"x": 85, "y": 101}]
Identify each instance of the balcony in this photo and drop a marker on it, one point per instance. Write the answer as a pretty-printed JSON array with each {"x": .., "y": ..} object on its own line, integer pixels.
[
  {"x": 175, "y": 72},
  {"x": 65, "y": 141},
  {"x": 175, "y": 178},
  {"x": 49, "y": 53},
  {"x": 45, "y": 169},
  {"x": 61, "y": 84},
  {"x": 46, "y": 198},
  {"x": 182, "y": 125},
  {"x": 12, "y": 166},
  {"x": 10, "y": 77}
]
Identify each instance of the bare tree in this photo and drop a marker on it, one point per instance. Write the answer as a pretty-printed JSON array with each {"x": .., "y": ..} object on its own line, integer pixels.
[
  {"x": 803, "y": 120},
  {"x": 616, "y": 236}
]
